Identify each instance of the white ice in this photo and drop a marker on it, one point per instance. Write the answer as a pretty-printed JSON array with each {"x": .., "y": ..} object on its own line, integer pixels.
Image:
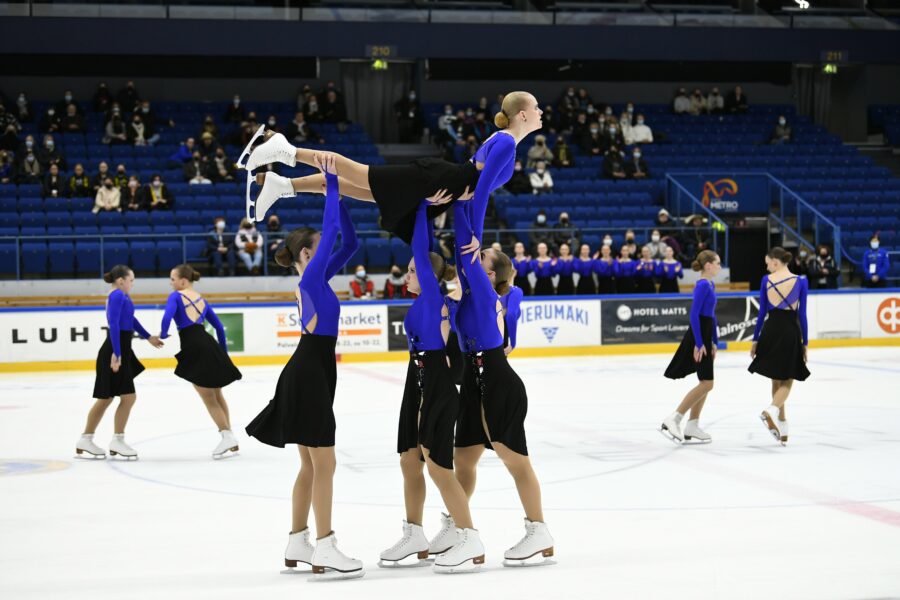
[{"x": 634, "y": 516}]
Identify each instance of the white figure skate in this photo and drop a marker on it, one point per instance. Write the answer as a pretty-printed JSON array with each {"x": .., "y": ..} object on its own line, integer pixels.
[
  {"x": 87, "y": 449},
  {"x": 466, "y": 556},
  {"x": 275, "y": 149},
  {"x": 694, "y": 435},
  {"x": 769, "y": 417},
  {"x": 537, "y": 541},
  {"x": 226, "y": 445},
  {"x": 118, "y": 447},
  {"x": 446, "y": 538},
  {"x": 671, "y": 428},
  {"x": 329, "y": 563},
  {"x": 299, "y": 550},
  {"x": 783, "y": 428},
  {"x": 412, "y": 543},
  {"x": 274, "y": 187},
  {"x": 241, "y": 162}
]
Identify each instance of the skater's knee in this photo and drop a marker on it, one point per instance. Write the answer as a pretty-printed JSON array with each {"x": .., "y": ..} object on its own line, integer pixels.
[
  {"x": 127, "y": 400},
  {"x": 707, "y": 385},
  {"x": 410, "y": 462}
]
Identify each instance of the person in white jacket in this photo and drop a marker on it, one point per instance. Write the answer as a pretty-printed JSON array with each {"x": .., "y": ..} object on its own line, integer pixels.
[
  {"x": 108, "y": 197},
  {"x": 640, "y": 133},
  {"x": 541, "y": 181},
  {"x": 249, "y": 244}
]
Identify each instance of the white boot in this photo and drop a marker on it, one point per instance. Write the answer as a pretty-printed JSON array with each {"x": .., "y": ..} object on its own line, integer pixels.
[
  {"x": 299, "y": 550},
  {"x": 118, "y": 447},
  {"x": 86, "y": 445},
  {"x": 769, "y": 417},
  {"x": 783, "y": 429},
  {"x": 275, "y": 149},
  {"x": 694, "y": 434},
  {"x": 671, "y": 427},
  {"x": 446, "y": 538},
  {"x": 466, "y": 556},
  {"x": 537, "y": 540},
  {"x": 274, "y": 187},
  {"x": 228, "y": 444},
  {"x": 330, "y": 563},
  {"x": 412, "y": 542}
]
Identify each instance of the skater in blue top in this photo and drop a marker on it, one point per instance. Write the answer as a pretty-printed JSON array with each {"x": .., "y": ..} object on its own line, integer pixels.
[
  {"x": 626, "y": 272},
  {"x": 522, "y": 265},
  {"x": 607, "y": 269},
  {"x": 584, "y": 267},
  {"x": 645, "y": 272},
  {"x": 564, "y": 268},
  {"x": 669, "y": 271},
  {"x": 696, "y": 354},
  {"x": 544, "y": 268}
]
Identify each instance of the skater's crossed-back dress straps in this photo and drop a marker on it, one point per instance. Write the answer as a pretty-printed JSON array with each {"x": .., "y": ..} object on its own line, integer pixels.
[
  {"x": 120, "y": 317},
  {"x": 704, "y": 305},
  {"x": 424, "y": 319},
  {"x": 176, "y": 309},
  {"x": 794, "y": 301}
]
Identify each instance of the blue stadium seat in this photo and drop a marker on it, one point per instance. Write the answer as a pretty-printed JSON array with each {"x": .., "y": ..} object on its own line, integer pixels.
[
  {"x": 87, "y": 258},
  {"x": 143, "y": 256},
  {"x": 378, "y": 251},
  {"x": 30, "y": 204},
  {"x": 8, "y": 204},
  {"x": 401, "y": 252},
  {"x": 32, "y": 219},
  {"x": 59, "y": 219},
  {"x": 171, "y": 228},
  {"x": 196, "y": 250},
  {"x": 61, "y": 258},
  {"x": 169, "y": 254},
  {"x": 142, "y": 229},
  {"x": 34, "y": 258},
  {"x": 136, "y": 218},
  {"x": 115, "y": 253},
  {"x": 108, "y": 218},
  {"x": 7, "y": 258}
]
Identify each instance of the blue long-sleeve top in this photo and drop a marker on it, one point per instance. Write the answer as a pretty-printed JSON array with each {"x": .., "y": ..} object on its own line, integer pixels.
[
  {"x": 512, "y": 304},
  {"x": 583, "y": 267},
  {"x": 476, "y": 317},
  {"x": 175, "y": 308},
  {"x": 542, "y": 269},
  {"x": 452, "y": 307},
  {"x": 424, "y": 319},
  {"x": 797, "y": 296},
  {"x": 646, "y": 268},
  {"x": 120, "y": 317},
  {"x": 704, "y": 305},
  {"x": 882, "y": 263},
  {"x": 498, "y": 155},
  {"x": 522, "y": 267},
  {"x": 564, "y": 268},
  {"x": 317, "y": 299},
  {"x": 606, "y": 269},
  {"x": 671, "y": 270},
  {"x": 626, "y": 268}
]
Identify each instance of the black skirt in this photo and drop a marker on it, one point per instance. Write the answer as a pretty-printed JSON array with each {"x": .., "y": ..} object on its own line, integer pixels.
[
  {"x": 456, "y": 358},
  {"x": 108, "y": 384},
  {"x": 779, "y": 351},
  {"x": 399, "y": 189},
  {"x": 489, "y": 382},
  {"x": 586, "y": 286},
  {"x": 202, "y": 361},
  {"x": 429, "y": 408},
  {"x": 645, "y": 285},
  {"x": 544, "y": 287},
  {"x": 524, "y": 284},
  {"x": 625, "y": 285},
  {"x": 668, "y": 286},
  {"x": 683, "y": 363},
  {"x": 565, "y": 286},
  {"x": 607, "y": 285},
  {"x": 302, "y": 411}
]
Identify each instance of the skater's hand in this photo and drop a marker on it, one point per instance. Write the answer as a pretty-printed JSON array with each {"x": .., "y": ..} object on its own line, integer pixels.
[
  {"x": 471, "y": 247},
  {"x": 805, "y": 354},
  {"x": 155, "y": 341},
  {"x": 507, "y": 350},
  {"x": 753, "y": 350},
  {"x": 325, "y": 162},
  {"x": 467, "y": 195},
  {"x": 713, "y": 354},
  {"x": 440, "y": 197},
  {"x": 114, "y": 363},
  {"x": 699, "y": 353}
]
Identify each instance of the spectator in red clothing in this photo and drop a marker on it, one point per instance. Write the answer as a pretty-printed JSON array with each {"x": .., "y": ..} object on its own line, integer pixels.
[
  {"x": 361, "y": 287},
  {"x": 395, "y": 285}
]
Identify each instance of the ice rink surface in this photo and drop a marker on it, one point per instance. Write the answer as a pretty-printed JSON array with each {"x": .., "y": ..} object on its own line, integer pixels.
[{"x": 634, "y": 516}]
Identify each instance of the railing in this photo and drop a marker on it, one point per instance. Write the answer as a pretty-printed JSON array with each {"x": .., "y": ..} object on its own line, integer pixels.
[
  {"x": 676, "y": 193},
  {"x": 893, "y": 255},
  {"x": 824, "y": 230}
]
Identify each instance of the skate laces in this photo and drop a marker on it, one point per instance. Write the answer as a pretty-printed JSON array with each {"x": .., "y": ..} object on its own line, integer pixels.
[{"x": 404, "y": 541}]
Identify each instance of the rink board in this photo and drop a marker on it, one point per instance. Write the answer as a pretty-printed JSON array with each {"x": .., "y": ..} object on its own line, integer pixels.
[{"x": 66, "y": 338}]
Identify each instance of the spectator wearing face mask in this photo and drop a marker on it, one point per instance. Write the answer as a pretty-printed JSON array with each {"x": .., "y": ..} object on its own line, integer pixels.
[
  {"x": 184, "y": 153},
  {"x": 657, "y": 246},
  {"x": 408, "y": 112},
  {"x": 149, "y": 117},
  {"x": 562, "y": 154},
  {"x": 581, "y": 129},
  {"x": 334, "y": 110},
  {"x": 9, "y": 141},
  {"x": 564, "y": 232},
  {"x": 139, "y": 133},
  {"x": 116, "y": 131},
  {"x": 637, "y": 166},
  {"x": 549, "y": 119},
  {"x": 7, "y": 167},
  {"x": 876, "y": 265},
  {"x": 698, "y": 103},
  {"x": 79, "y": 184},
  {"x": 799, "y": 264},
  {"x": 736, "y": 102},
  {"x": 299, "y": 132},
  {"x": 312, "y": 111},
  {"x": 539, "y": 151},
  {"x": 640, "y": 133},
  {"x": 272, "y": 124},
  {"x": 681, "y": 105},
  {"x": 540, "y": 231},
  {"x": 568, "y": 108},
  {"x": 715, "y": 102},
  {"x": 49, "y": 154},
  {"x": 128, "y": 97},
  {"x": 22, "y": 109},
  {"x": 249, "y": 243},
  {"x": 222, "y": 167},
  {"x": 782, "y": 132},
  {"x": 220, "y": 248},
  {"x": 606, "y": 267},
  {"x": 120, "y": 179},
  {"x": 613, "y": 164},
  {"x": 72, "y": 122},
  {"x": 114, "y": 109},
  {"x": 29, "y": 169},
  {"x": 102, "y": 98},
  {"x": 541, "y": 181},
  {"x": 50, "y": 121},
  {"x": 98, "y": 179},
  {"x": 53, "y": 186},
  {"x": 361, "y": 287},
  {"x": 480, "y": 128},
  {"x": 594, "y": 142},
  {"x": 133, "y": 197},
  {"x": 395, "y": 285},
  {"x": 613, "y": 134},
  {"x": 823, "y": 272},
  {"x": 275, "y": 235},
  {"x": 159, "y": 195},
  {"x": 198, "y": 171},
  {"x": 630, "y": 243},
  {"x": 68, "y": 99},
  {"x": 519, "y": 183},
  {"x": 236, "y": 112},
  {"x": 108, "y": 198}
]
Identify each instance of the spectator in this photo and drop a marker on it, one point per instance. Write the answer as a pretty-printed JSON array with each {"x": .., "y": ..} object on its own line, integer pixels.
[
  {"x": 120, "y": 179},
  {"x": 198, "y": 170},
  {"x": 235, "y": 113},
  {"x": 640, "y": 133},
  {"x": 625, "y": 126},
  {"x": 50, "y": 154},
  {"x": 681, "y": 105},
  {"x": 331, "y": 87},
  {"x": 498, "y": 104},
  {"x": 467, "y": 150},
  {"x": 549, "y": 119},
  {"x": 568, "y": 108},
  {"x": 540, "y": 231},
  {"x": 10, "y": 140},
  {"x": 395, "y": 285},
  {"x": 220, "y": 247},
  {"x": 637, "y": 167},
  {"x": 68, "y": 98},
  {"x": 656, "y": 245},
  {"x": 7, "y": 119},
  {"x": 150, "y": 120},
  {"x": 715, "y": 103},
  {"x": 116, "y": 131},
  {"x": 209, "y": 127},
  {"x": 303, "y": 96},
  {"x": 299, "y": 132},
  {"x": 22, "y": 109},
  {"x": 823, "y": 272},
  {"x": 102, "y": 174},
  {"x": 799, "y": 264},
  {"x": 249, "y": 243},
  {"x": 184, "y": 153},
  {"x": 53, "y": 186},
  {"x": 27, "y": 145},
  {"x": 541, "y": 181},
  {"x": 613, "y": 135},
  {"x": 663, "y": 219},
  {"x": 594, "y": 143},
  {"x": 361, "y": 287},
  {"x": 133, "y": 197},
  {"x": 7, "y": 167},
  {"x": 562, "y": 154},
  {"x": 519, "y": 183},
  {"x": 608, "y": 243},
  {"x": 114, "y": 109},
  {"x": 584, "y": 99},
  {"x": 159, "y": 195},
  {"x": 50, "y": 122},
  {"x": 79, "y": 185},
  {"x": 128, "y": 97},
  {"x": 480, "y": 128},
  {"x": 697, "y": 237},
  {"x": 565, "y": 232},
  {"x": 29, "y": 168},
  {"x": 782, "y": 132},
  {"x": 630, "y": 244},
  {"x": 208, "y": 144},
  {"x": 736, "y": 102},
  {"x": 108, "y": 197},
  {"x": 613, "y": 165},
  {"x": 629, "y": 108},
  {"x": 876, "y": 265},
  {"x": 698, "y": 103},
  {"x": 539, "y": 151},
  {"x": 272, "y": 124},
  {"x": 72, "y": 122},
  {"x": 274, "y": 235},
  {"x": 446, "y": 133},
  {"x": 311, "y": 110},
  {"x": 410, "y": 122},
  {"x": 581, "y": 129},
  {"x": 333, "y": 110},
  {"x": 102, "y": 98},
  {"x": 139, "y": 132},
  {"x": 223, "y": 168}
]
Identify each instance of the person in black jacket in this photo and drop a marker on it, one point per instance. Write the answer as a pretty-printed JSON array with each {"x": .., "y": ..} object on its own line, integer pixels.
[
  {"x": 736, "y": 101},
  {"x": 637, "y": 167},
  {"x": 299, "y": 132},
  {"x": 613, "y": 164},
  {"x": 823, "y": 271},
  {"x": 519, "y": 183},
  {"x": 236, "y": 112},
  {"x": 333, "y": 109},
  {"x": 159, "y": 196},
  {"x": 220, "y": 247},
  {"x": 408, "y": 111}
]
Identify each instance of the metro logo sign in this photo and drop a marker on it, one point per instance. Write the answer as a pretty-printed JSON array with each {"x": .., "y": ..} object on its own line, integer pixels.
[{"x": 717, "y": 190}]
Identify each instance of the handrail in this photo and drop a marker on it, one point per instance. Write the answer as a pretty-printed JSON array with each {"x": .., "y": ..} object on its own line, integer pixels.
[
  {"x": 713, "y": 217},
  {"x": 818, "y": 215}
]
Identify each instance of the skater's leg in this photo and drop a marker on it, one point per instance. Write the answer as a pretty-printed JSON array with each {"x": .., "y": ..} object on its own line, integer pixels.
[
  {"x": 780, "y": 395},
  {"x": 220, "y": 399},
  {"x": 315, "y": 184},
  {"x": 465, "y": 462},
  {"x": 694, "y": 396},
  {"x": 208, "y": 395},
  {"x": 451, "y": 491},
  {"x": 301, "y": 498},
  {"x": 519, "y": 466},
  {"x": 324, "y": 464},
  {"x": 355, "y": 173},
  {"x": 96, "y": 413},
  {"x": 126, "y": 402},
  {"x": 413, "y": 485},
  {"x": 697, "y": 408}
]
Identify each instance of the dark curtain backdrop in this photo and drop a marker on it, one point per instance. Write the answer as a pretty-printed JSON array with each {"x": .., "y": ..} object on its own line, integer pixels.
[
  {"x": 812, "y": 89},
  {"x": 371, "y": 95}
]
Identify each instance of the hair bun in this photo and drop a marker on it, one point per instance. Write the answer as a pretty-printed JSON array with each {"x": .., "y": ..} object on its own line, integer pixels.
[
  {"x": 283, "y": 257},
  {"x": 107, "y": 277},
  {"x": 696, "y": 266},
  {"x": 195, "y": 276},
  {"x": 501, "y": 120}
]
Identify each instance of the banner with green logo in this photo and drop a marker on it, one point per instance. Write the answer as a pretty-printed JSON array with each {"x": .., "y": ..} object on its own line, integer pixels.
[{"x": 234, "y": 330}]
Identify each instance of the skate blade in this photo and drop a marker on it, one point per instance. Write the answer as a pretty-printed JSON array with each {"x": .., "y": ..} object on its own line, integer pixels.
[
  {"x": 332, "y": 575},
  {"x": 85, "y": 455},
  {"x": 227, "y": 454},
  {"x": 117, "y": 456},
  {"x": 692, "y": 441},
  {"x": 473, "y": 565},
  {"x": 537, "y": 560},
  {"x": 668, "y": 435},
  {"x": 241, "y": 162},
  {"x": 251, "y": 204},
  {"x": 396, "y": 564},
  {"x": 770, "y": 425}
]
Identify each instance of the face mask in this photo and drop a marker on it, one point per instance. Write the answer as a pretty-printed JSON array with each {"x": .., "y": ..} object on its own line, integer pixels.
[
  {"x": 137, "y": 121},
  {"x": 518, "y": 168},
  {"x": 271, "y": 122},
  {"x": 540, "y": 143},
  {"x": 781, "y": 121},
  {"x": 637, "y": 156},
  {"x": 539, "y": 171},
  {"x": 629, "y": 240},
  {"x": 874, "y": 245},
  {"x": 21, "y": 99},
  {"x": 469, "y": 113},
  {"x": 607, "y": 241},
  {"x": 541, "y": 219},
  {"x": 361, "y": 273},
  {"x": 108, "y": 186},
  {"x": 803, "y": 254},
  {"x": 448, "y": 112},
  {"x": 564, "y": 220},
  {"x": 571, "y": 92},
  {"x": 220, "y": 225},
  {"x": 121, "y": 171},
  {"x": 49, "y": 144},
  {"x": 412, "y": 96},
  {"x": 594, "y": 131},
  {"x": 29, "y": 144},
  {"x": 133, "y": 184},
  {"x": 612, "y": 130},
  {"x": 395, "y": 274},
  {"x": 116, "y": 111},
  {"x": 68, "y": 97},
  {"x": 237, "y": 101},
  {"x": 655, "y": 238},
  {"x": 591, "y": 110},
  {"x": 640, "y": 122},
  {"x": 157, "y": 184},
  {"x": 30, "y": 158},
  {"x": 51, "y": 112},
  {"x": 630, "y": 109}
]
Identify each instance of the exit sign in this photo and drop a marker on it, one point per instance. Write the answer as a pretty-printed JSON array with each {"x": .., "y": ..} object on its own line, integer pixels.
[
  {"x": 381, "y": 51},
  {"x": 838, "y": 57}
]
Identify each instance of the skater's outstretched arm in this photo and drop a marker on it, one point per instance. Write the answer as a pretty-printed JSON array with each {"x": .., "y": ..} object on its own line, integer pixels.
[
  {"x": 168, "y": 314},
  {"x": 213, "y": 319},
  {"x": 513, "y": 310},
  {"x": 316, "y": 269},
  {"x": 114, "y": 306},
  {"x": 421, "y": 246},
  {"x": 501, "y": 153},
  {"x": 349, "y": 243},
  {"x": 702, "y": 290},
  {"x": 763, "y": 306},
  {"x": 803, "y": 282}
]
